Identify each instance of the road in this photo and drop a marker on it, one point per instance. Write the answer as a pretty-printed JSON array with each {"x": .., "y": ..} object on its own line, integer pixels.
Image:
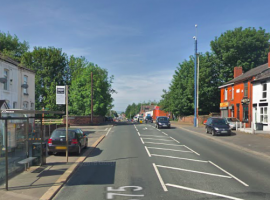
[{"x": 138, "y": 161}]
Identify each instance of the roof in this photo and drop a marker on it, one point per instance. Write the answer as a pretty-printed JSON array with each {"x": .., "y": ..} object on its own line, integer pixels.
[
  {"x": 263, "y": 76},
  {"x": 253, "y": 72},
  {"x": 11, "y": 61}
]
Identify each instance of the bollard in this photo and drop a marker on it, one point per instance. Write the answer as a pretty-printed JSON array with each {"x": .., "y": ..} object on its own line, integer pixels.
[{"x": 236, "y": 126}]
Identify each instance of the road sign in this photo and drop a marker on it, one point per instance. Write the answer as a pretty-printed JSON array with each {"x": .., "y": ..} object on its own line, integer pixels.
[{"x": 61, "y": 95}]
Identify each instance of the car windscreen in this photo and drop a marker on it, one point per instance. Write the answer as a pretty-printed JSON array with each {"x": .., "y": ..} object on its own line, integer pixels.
[
  {"x": 233, "y": 120},
  {"x": 148, "y": 117},
  {"x": 162, "y": 119},
  {"x": 62, "y": 133},
  {"x": 219, "y": 121}
]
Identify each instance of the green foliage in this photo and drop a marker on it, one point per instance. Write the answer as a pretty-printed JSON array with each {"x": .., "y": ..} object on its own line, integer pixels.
[
  {"x": 133, "y": 110},
  {"x": 12, "y": 47}
]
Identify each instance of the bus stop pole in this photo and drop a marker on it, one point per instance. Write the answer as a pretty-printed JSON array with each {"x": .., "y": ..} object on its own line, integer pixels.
[
  {"x": 67, "y": 122},
  {"x": 6, "y": 145}
]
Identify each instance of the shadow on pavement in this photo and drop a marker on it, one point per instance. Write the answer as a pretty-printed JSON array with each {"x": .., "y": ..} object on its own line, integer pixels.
[
  {"x": 96, "y": 152},
  {"x": 120, "y": 159}
]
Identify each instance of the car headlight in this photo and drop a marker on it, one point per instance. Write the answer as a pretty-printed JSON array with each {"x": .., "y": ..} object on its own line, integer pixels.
[
  {"x": 216, "y": 128},
  {"x": 159, "y": 123}
]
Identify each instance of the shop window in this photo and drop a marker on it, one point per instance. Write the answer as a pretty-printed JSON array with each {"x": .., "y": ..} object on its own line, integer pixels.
[
  {"x": 14, "y": 105},
  {"x": 245, "y": 89},
  {"x": 264, "y": 90},
  {"x": 226, "y": 94},
  {"x": 245, "y": 113},
  {"x": 263, "y": 115},
  {"x": 6, "y": 74}
]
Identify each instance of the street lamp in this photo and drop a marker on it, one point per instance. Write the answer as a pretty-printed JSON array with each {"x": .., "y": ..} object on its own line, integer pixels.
[{"x": 195, "y": 80}]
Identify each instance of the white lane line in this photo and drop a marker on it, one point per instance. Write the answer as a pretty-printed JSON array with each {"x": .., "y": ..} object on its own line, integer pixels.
[
  {"x": 202, "y": 191},
  {"x": 198, "y": 172},
  {"x": 139, "y": 133},
  {"x": 168, "y": 149},
  {"x": 180, "y": 158},
  {"x": 229, "y": 174},
  {"x": 156, "y": 139},
  {"x": 192, "y": 150},
  {"x": 165, "y": 144},
  {"x": 165, "y": 133},
  {"x": 142, "y": 140},
  {"x": 151, "y": 135},
  {"x": 160, "y": 178},
  {"x": 108, "y": 131},
  {"x": 147, "y": 151},
  {"x": 175, "y": 140}
]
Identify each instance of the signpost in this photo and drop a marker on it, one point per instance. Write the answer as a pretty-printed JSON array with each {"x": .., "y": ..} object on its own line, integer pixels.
[{"x": 62, "y": 99}]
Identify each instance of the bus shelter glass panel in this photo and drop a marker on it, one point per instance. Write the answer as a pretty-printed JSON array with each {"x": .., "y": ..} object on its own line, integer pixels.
[{"x": 2, "y": 155}]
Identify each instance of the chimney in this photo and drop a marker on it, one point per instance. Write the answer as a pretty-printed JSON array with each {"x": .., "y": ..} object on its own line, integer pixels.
[{"x": 238, "y": 71}]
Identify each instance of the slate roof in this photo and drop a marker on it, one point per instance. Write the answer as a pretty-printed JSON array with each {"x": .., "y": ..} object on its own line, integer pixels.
[{"x": 262, "y": 76}]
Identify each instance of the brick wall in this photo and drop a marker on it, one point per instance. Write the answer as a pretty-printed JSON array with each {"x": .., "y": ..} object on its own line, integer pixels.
[
  {"x": 83, "y": 120},
  {"x": 190, "y": 119}
]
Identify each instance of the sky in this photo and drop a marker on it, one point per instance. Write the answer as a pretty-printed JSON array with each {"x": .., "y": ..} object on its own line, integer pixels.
[{"x": 139, "y": 42}]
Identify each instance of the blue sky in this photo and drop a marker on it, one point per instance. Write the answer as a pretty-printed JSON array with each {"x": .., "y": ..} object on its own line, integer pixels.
[{"x": 140, "y": 42}]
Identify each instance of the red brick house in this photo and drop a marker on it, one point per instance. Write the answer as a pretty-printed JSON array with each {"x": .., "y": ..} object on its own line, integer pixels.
[{"x": 236, "y": 95}]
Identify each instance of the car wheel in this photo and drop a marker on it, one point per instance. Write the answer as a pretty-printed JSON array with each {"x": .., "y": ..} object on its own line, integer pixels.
[{"x": 213, "y": 133}]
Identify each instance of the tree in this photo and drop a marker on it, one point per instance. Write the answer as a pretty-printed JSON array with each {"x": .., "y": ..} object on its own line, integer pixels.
[
  {"x": 240, "y": 47},
  {"x": 50, "y": 66},
  {"x": 12, "y": 47}
]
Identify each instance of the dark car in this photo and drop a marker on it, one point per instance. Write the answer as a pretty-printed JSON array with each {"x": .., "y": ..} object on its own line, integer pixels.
[
  {"x": 163, "y": 122},
  {"x": 217, "y": 126},
  {"x": 148, "y": 119},
  {"x": 57, "y": 141}
]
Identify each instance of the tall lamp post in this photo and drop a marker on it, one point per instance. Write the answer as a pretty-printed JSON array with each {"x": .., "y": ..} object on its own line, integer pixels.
[{"x": 195, "y": 81}]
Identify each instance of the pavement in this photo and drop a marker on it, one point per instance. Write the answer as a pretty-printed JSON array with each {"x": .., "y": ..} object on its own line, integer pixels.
[
  {"x": 257, "y": 144},
  {"x": 43, "y": 182}
]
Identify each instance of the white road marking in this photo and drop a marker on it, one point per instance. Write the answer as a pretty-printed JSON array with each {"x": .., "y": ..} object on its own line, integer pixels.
[
  {"x": 147, "y": 151},
  {"x": 160, "y": 178},
  {"x": 151, "y": 135},
  {"x": 202, "y": 191},
  {"x": 164, "y": 144},
  {"x": 165, "y": 133},
  {"x": 180, "y": 158},
  {"x": 198, "y": 172},
  {"x": 108, "y": 131},
  {"x": 175, "y": 140},
  {"x": 139, "y": 133},
  {"x": 158, "y": 130},
  {"x": 168, "y": 149},
  {"x": 142, "y": 140},
  {"x": 192, "y": 150},
  {"x": 229, "y": 174},
  {"x": 155, "y": 139}
]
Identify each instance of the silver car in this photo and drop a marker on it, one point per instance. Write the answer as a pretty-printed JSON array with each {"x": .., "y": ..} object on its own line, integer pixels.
[{"x": 232, "y": 122}]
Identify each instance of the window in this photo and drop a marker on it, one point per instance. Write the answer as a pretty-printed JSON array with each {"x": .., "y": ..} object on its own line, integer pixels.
[
  {"x": 8, "y": 104},
  {"x": 32, "y": 106},
  {"x": 6, "y": 76},
  {"x": 25, "y": 105},
  {"x": 264, "y": 90},
  {"x": 225, "y": 94},
  {"x": 25, "y": 80},
  {"x": 14, "y": 105},
  {"x": 245, "y": 113},
  {"x": 238, "y": 110},
  {"x": 263, "y": 115},
  {"x": 245, "y": 89},
  {"x": 232, "y": 92}
]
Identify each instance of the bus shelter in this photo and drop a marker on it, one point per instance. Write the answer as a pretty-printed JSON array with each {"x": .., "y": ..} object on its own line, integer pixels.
[{"x": 22, "y": 141}]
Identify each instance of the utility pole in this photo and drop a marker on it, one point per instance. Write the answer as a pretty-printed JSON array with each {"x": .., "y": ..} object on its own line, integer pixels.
[
  {"x": 67, "y": 123},
  {"x": 198, "y": 90},
  {"x": 92, "y": 97},
  {"x": 195, "y": 81}
]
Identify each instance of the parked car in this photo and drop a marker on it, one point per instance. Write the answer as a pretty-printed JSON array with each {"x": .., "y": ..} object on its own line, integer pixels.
[
  {"x": 232, "y": 122},
  {"x": 57, "y": 141},
  {"x": 148, "y": 119},
  {"x": 217, "y": 126},
  {"x": 163, "y": 122}
]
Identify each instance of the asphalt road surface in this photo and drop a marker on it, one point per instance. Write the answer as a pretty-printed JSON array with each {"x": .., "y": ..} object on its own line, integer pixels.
[{"x": 138, "y": 161}]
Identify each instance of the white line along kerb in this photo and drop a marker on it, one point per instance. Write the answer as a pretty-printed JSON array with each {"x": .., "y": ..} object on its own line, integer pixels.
[
  {"x": 147, "y": 151},
  {"x": 108, "y": 131},
  {"x": 229, "y": 174},
  {"x": 160, "y": 178},
  {"x": 201, "y": 191}
]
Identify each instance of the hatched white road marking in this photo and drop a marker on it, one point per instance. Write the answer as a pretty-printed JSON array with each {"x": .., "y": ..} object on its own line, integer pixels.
[
  {"x": 198, "y": 172},
  {"x": 108, "y": 131},
  {"x": 168, "y": 149},
  {"x": 202, "y": 191},
  {"x": 160, "y": 178},
  {"x": 180, "y": 158},
  {"x": 151, "y": 135},
  {"x": 156, "y": 139},
  {"x": 165, "y": 133},
  {"x": 142, "y": 140},
  {"x": 229, "y": 174},
  {"x": 175, "y": 140},
  {"x": 139, "y": 133},
  {"x": 192, "y": 150},
  {"x": 165, "y": 144},
  {"x": 147, "y": 151}
]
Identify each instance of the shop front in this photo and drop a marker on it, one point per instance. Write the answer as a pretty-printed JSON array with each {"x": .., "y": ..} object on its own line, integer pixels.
[{"x": 224, "y": 109}]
